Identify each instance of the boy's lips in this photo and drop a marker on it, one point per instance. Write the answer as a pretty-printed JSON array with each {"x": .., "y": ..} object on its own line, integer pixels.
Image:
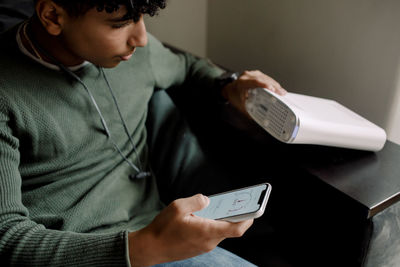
[{"x": 128, "y": 56}]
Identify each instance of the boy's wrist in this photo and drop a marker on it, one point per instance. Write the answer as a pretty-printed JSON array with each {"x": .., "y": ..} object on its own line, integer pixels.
[
  {"x": 222, "y": 83},
  {"x": 136, "y": 255}
]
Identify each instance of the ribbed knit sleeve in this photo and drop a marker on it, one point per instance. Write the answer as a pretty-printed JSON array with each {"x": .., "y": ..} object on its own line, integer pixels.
[
  {"x": 171, "y": 69},
  {"x": 26, "y": 243}
]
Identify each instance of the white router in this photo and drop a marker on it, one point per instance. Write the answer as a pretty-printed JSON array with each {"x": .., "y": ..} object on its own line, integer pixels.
[{"x": 301, "y": 119}]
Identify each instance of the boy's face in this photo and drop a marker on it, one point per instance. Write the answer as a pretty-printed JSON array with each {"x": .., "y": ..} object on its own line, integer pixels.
[{"x": 105, "y": 39}]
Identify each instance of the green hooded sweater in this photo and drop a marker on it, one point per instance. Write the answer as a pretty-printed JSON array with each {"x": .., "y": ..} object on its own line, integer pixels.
[{"x": 65, "y": 194}]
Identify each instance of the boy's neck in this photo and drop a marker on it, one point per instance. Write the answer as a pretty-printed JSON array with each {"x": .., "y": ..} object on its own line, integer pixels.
[{"x": 53, "y": 45}]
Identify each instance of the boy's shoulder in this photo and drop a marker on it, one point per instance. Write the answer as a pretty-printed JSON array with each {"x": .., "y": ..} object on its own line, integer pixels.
[{"x": 15, "y": 67}]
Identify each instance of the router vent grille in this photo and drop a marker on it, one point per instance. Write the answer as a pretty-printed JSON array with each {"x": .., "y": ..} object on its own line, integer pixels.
[
  {"x": 278, "y": 117},
  {"x": 272, "y": 114}
]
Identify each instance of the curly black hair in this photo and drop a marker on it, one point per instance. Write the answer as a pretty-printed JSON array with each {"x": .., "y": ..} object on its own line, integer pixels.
[{"x": 136, "y": 8}]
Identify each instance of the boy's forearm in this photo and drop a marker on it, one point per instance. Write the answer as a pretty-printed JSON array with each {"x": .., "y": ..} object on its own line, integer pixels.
[{"x": 25, "y": 243}]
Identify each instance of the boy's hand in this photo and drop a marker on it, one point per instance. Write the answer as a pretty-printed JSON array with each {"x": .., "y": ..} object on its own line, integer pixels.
[
  {"x": 237, "y": 92},
  {"x": 177, "y": 234}
]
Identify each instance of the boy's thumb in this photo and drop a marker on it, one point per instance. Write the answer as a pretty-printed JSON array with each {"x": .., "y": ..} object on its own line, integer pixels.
[{"x": 197, "y": 202}]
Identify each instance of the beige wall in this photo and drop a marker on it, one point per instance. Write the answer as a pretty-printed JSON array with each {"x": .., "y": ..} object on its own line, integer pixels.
[
  {"x": 339, "y": 49},
  {"x": 183, "y": 23},
  {"x": 345, "y": 50},
  {"x": 394, "y": 115}
]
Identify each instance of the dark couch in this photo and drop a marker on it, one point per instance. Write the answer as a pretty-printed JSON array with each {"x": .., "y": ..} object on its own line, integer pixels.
[{"x": 14, "y": 11}]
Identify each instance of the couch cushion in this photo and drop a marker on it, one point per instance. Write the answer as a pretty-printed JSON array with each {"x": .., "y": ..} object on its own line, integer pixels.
[{"x": 13, "y": 12}]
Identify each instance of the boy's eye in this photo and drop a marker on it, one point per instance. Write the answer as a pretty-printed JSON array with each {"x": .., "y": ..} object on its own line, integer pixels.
[{"x": 120, "y": 25}]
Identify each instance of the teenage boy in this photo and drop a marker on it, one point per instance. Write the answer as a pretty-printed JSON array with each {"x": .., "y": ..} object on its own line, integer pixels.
[{"x": 75, "y": 181}]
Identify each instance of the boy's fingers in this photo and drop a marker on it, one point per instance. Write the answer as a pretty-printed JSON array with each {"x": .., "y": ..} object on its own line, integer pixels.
[
  {"x": 229, "y": 229},
  {"x": 193, "y": 203}
]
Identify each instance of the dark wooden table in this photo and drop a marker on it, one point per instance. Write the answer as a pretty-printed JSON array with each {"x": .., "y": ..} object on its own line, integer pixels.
[{"x": 371, "y": 179}]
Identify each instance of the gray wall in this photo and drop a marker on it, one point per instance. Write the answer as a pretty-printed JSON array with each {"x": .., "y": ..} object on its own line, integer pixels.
[
  {"x": 393, "y": 127},
  {"x": 345, "y": 50},
  {"x": 183, "y": 23}
]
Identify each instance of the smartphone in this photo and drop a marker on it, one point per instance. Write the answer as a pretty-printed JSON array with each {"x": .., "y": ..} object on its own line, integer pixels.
[{"x": 237, "y": 205}]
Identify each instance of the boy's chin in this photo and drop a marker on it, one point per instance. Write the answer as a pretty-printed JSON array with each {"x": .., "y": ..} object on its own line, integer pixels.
[{"x": 108, "y": 65}]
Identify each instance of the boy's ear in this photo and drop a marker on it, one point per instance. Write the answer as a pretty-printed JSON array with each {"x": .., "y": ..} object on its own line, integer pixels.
[{"x": 50, "y": 15}]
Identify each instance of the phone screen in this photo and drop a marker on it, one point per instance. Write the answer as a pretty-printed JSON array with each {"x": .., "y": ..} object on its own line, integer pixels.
[{"x": 237, "y": 202}]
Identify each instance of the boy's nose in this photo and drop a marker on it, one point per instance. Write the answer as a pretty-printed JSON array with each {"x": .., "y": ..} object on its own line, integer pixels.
[{"x": 138, "y": 37}]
